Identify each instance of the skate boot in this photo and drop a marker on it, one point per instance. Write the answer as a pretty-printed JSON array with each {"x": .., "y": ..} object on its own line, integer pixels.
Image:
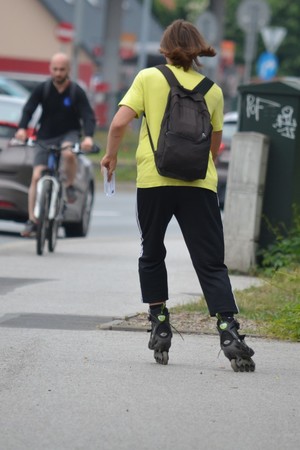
[
  {"x": 234, "y": 346},
  {"x": 161, "y": 334}
]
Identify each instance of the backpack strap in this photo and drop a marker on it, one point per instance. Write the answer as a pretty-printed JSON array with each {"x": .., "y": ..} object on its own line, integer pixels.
[
  {"x": 203, "y": 87},
  {"x": 47, "y": 87},
  {"x": 44, "y": 95},
  {"x": 149, "y": 134},
  {"x": 73, "y": 92},
  {"x": 169, "y": 75}
]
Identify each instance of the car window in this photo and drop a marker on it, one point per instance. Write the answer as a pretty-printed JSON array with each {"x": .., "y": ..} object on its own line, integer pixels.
[
  {"x": 10, "y": 87},
  {"x": 229, "y": 129},
  {"x": 3, "y": 91}
]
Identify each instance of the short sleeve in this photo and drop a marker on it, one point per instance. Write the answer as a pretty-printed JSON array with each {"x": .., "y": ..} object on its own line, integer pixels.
[{"x": 134, "y": 97}]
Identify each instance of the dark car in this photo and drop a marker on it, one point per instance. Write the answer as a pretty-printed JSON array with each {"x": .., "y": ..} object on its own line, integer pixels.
[
  {"x": 222, "y": 162},
  {"x": 16, "y": 163}
]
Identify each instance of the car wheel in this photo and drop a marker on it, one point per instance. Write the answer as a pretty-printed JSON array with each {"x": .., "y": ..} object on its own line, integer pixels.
[{"x": 80, "y": 229}]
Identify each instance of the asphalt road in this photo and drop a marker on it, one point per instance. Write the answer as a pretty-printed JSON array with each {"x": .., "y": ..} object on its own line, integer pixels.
[{"x": 67, "y": 383}]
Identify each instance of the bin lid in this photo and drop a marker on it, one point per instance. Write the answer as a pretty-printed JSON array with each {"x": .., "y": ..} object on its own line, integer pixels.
[{"x": 284, "y": 85}]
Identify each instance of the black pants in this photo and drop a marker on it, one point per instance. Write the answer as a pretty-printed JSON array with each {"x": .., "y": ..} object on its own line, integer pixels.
[{"x": 198, "y": 215}]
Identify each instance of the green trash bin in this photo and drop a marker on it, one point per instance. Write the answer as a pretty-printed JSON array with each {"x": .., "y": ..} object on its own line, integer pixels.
[{"x": 273, "y": 109}]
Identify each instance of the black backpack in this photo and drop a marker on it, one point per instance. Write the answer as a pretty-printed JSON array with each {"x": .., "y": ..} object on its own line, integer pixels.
[{"x": 184, "y": 140}]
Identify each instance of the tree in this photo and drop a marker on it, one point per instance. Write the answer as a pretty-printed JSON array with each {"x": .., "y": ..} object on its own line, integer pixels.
[
  {"x": 284, "y": 14},
  {"x": 188, "y": 10},
  {"x": 287, "y": 14}
]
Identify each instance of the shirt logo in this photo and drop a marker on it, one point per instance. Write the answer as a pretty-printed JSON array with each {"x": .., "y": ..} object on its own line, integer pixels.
[{"x": 67, "y": 101}]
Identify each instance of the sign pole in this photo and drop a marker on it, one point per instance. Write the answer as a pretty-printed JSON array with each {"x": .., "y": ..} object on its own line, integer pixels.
[
  {"x": 252, "y": 16},
  {"x": 78, "y": 16},
  {"x": 145, "y": 23}
]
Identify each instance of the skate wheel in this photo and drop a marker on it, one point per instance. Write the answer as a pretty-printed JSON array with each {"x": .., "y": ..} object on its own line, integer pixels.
[
  {"x": 242, "y": 365},
  {"x": 161, "y": 357},
  {"x": 234, "y": 366}
]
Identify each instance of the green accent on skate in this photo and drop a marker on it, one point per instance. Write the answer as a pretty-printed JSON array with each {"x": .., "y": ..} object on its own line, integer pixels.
[
  {"x": 161, "y": 318},
  {"x": 223, "y": 325}
]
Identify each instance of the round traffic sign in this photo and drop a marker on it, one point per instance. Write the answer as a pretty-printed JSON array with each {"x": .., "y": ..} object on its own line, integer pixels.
[
  {"x": 267, "y": 66},
  {"x": 253, "y": 15},
  {"x": 208, "y": 26},
  {"x": 64, "y": 32}
]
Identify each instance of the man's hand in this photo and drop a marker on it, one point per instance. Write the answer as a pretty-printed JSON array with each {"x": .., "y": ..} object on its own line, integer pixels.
[
  {"x": 110, "y": 164},
  {"x": 21, "y": 134},
  {"x": 87, "y": 144}
]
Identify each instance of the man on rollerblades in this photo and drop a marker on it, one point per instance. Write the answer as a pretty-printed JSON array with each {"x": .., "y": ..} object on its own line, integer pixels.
[{"x": 193, "y": 203}]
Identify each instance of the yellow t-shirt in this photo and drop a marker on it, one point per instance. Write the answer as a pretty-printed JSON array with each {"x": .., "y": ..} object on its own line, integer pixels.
[{"x": 148, "y": 93}]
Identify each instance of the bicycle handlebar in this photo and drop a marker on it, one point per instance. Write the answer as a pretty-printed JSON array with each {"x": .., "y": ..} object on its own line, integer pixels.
[
  {"x": 74, "y": 147},
  {"x": 78, "y": 150}
]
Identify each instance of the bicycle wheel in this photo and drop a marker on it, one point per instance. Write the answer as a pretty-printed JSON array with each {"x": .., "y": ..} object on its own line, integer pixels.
[
  {"x": 55, "y": 223},
  {"x": 43, "y": 221},
  {"x": 52, "y": 234}
]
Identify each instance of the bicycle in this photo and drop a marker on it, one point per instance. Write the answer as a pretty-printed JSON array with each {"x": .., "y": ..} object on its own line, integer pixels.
[{"x": 51, "y": 197}]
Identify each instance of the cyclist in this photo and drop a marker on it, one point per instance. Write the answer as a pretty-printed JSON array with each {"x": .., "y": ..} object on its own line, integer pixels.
[{"x": 66, "y": 112}]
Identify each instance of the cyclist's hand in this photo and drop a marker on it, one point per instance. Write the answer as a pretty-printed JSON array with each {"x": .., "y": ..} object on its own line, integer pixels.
[
  {"x": 87, "y": 144},
  {"x": 21, "y": 134}
]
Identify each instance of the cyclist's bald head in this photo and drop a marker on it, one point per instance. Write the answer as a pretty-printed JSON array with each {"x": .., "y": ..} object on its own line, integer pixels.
[
  {"x": 60, "y": 68},
  {"x": 60, "y": 59}
]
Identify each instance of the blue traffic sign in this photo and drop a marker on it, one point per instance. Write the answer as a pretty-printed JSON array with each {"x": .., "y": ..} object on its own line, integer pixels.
[{"x": 267, "y": 66}]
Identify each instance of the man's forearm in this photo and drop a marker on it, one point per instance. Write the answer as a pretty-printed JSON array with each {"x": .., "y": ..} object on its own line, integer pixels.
[{"x": 114, "y": 140}]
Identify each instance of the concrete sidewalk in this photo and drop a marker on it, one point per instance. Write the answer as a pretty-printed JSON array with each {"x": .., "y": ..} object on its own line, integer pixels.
[
  {"x": 93, "y": 276},
  {"x": 66, "y": 384},
  {"x": 66, "y": 390}
]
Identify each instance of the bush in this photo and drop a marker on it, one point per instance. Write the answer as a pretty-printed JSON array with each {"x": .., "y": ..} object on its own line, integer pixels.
[
  {"x": 285, "y": 251},
  {"x": 286, "y": 325}
]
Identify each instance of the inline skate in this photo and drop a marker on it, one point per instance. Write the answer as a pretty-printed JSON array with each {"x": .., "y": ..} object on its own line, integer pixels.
[
  {"x": 161, "y": 334},
  {"x": 234, "y": 346}
]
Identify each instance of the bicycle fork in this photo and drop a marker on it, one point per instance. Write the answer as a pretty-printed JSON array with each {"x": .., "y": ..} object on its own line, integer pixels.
[{"x": 53, "y": 199}]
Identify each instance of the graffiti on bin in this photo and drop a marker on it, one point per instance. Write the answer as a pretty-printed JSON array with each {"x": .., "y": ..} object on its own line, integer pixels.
[{"x": 285, "y": 122}]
